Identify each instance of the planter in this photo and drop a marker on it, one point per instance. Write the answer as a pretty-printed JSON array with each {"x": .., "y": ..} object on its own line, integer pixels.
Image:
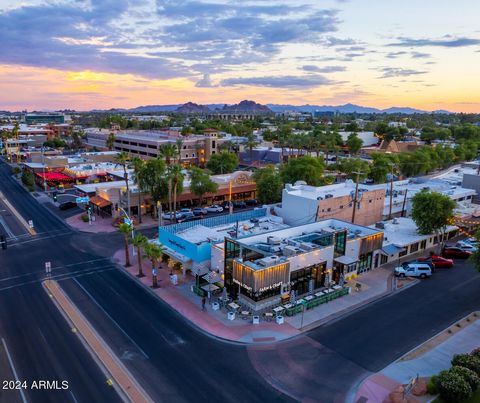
[
  {"x": 256, "y": 320},
  {"x": 280, "y": 319},
  {"x": 231, "y": 316}
]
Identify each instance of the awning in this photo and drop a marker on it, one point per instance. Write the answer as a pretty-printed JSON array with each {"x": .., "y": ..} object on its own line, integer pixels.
[
  {"x": 391, "y": 249},
  {"x": 99, "y": 201},
  {"x": 346, "y": 260}
]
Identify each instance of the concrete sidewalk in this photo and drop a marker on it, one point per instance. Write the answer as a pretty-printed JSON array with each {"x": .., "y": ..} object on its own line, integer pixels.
[
  {"x": 375, "y": 284},
  {"x": 377, "y": 387},
  {"x": 104, "y": 224}
]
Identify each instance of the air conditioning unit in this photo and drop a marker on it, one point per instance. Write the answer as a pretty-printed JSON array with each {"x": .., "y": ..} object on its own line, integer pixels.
[
  {"x": 289, "y": 251},
  {"x": 306, "y": 246},
  {"x": 380, "y": 225},
  {"x": 273, "y": 240},
  {"x": 395, "y": 221},
  {"x": 328, "y": 196}
]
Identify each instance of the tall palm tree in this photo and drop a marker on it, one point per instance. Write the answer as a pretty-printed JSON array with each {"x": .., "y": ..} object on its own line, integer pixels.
[
  {"x": 176, "y": 178},
  {"x": 123, "y": 159},
  {"x": 126, "y": 230},
  {"x": 110, "y": 141},
  {"x": 138, "y": 166},
  {"x": 140, "y": 241},
  {"x": 179, "y": 145},
  {"x": 168, "y": 151},
  {"x": 153, "y": 252}
]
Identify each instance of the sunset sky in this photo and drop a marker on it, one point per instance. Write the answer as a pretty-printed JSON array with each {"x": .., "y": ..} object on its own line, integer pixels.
[{"x": 101, "y": 54}]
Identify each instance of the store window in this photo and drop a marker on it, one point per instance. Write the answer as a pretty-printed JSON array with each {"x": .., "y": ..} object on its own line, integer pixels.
[
  {"x": 414, "y": 247},
  {"x": 423, "y": 244},
  {"x": 403, "y": 253},
  {"x": 365, "y": 263},
  {"x": 340, "y": 243}
]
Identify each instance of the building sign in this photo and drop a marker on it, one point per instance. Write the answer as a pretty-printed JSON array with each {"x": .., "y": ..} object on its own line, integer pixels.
[
  {"x": 270, "y": 287},
  {"x": 242, "y": 284},
  {"x": 175, "y": 243},
  {"x": 242, "y": 179}
]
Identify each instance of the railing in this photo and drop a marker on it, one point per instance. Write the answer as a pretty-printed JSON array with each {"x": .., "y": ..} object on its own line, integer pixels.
[{"x": 217, "y": 221}]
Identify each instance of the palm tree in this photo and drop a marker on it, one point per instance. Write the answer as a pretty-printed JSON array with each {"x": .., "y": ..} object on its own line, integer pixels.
[
  {"x": 126, "y": 230},
  {"x": 176, "y": 177},
  {"x": 140, "y": 241},
  {"x": 138, "y": 166},
  {"x": 179, "y": 145},
  {"x": 122, "y": 159},
  {"x": 153, "y": 252},
  {"x": 168, "y": 151},
  {"x": 110, "y": 141},
  {"x": 250, "y": 143}
]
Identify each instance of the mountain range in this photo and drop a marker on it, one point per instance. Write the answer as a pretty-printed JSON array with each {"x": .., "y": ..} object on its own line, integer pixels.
[{"x": 251, "y": 106}]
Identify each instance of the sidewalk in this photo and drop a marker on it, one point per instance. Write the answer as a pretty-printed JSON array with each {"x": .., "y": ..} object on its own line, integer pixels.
[
  {"x": 101, "y": 224},
  {"x": 377, "y": 387},
  {"x": 375, "y": 284}
]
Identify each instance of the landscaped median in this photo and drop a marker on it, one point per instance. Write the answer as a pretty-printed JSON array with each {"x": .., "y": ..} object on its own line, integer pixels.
[{"x": 124, "y": 381}]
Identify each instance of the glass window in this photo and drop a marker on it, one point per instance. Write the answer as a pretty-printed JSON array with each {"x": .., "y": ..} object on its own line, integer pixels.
[
  {"x": 402, "y": 253},
  {"x": 340, "y": 243},
  {"x": 413, "y": 247}
]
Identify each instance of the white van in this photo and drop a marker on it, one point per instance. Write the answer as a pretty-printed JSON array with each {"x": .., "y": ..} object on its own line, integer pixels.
[{"x": 414, "y": 269}]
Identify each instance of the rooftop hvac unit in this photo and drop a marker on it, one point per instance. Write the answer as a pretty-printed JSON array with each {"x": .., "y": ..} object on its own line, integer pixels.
[
  {"x": 273, "y": 240},
  {"x": 289, "y": 251},
  {"x": 380, "y": 225},
  {"x": 306, "y": 246},
  {"x": 267, "y": 261},
  {"x": 328, "y": 196},
  {"x": 395, "y": 221}
]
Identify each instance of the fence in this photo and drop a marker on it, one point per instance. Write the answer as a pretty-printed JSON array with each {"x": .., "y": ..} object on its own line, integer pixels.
[{"x": 216, "y": 221}]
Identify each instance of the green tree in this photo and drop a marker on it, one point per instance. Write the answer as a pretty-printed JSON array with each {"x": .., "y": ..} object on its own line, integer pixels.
[
  {"x": 354, "y": 143},
  {"x": 352, "y": 127},
  {"x": 168, "y": 152},
  {"x": 154, "y": 253},
  {"x": 432, "y": 212},
  {"x": 200, "y": 183},
  {"x": 381, "y": 128},
  {"x": 126, "y": 231},
  {"x": 306, "y": 168},
  {"x": 138, "y": 164},
  {"x": 140, "y": 241},
  {"x": 349, "y": 166},
  {"x": 152, "y": 180},
  {"x": 250, "y": 144},
  {"x": 175, "y": 185},
  {"x": 269, "y": 185},
  {"x": 382, "y": 166},
  {"x": 110, "y": 141},
  {"x": 222, "y": 163},
  {"x": 28, "y": 180},
  {"x": 122, "y": 159}
]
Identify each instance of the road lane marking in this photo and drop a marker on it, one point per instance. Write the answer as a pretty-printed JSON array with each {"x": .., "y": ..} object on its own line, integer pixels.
[
  {"x": 113, "y": 320},
  {"x": 97, "y": 346},
  {"x": 12, "y": 367},
  {"x": 73, "y": 397},
  {"x": 9, "y": 232},
  {"x": 17, "y": 214}
]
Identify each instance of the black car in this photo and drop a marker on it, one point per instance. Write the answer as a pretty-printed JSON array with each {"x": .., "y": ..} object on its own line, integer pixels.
[
  {"x": 251, "y": 202},
  {"x": 239, "y": 204},
  {"x": 225, "y": 204},
  {"x": 67, "y": 205}
]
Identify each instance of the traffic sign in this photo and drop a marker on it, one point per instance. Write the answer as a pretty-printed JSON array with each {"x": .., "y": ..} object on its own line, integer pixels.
[
  {"x": 48, "y": 268},
  {"x": 127, "y": 221},
  {"x": 30, "y": 223},
  {"x": 79, "y": 200}
]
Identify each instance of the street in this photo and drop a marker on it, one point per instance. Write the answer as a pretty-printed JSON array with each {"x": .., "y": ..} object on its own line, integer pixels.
[{"x": 172, "y": 359}]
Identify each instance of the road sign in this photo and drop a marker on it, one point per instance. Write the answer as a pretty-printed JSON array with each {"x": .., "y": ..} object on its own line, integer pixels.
[
  {"x": 79, "y": 200},
  {"x": 48, "y": 268},
  {"x": 127, "y": 221},
  {"x": 410, "y": 386},
  {"x": 30, "y": 223}
]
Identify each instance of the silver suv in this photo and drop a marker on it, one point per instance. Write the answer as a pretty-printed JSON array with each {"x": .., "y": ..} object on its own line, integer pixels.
[{"x": 414, "y": 269}]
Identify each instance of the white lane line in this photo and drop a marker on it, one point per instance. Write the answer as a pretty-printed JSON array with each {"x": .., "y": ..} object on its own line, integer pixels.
[
  {"x": 113, "y": 320},
  {"x": 12, "y": 367},
  {"x": 9, "y": 232},
  {"x": 73, "y": 397}
]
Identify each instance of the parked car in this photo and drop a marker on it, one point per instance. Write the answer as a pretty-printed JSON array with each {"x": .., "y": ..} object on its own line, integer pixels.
[
  {"x": 421, "y": 270},
  {"x": 239, "y": 204},
  {"x": 225, "y": 204},
  {"x": 214, "y": 208},
  {"x": 251, "y": 202},
  {"x": 466, "y": 246},
  {"x": 198, "y": 211},
  {"x": 186, "y": 215},
  {"x": 185, "y": 210},
  {"x": 456, "y": 252},
  {"x": 170, "y": 216},
  {"x": 437, "y": 261},
  {"x": 67, "y": 205}
]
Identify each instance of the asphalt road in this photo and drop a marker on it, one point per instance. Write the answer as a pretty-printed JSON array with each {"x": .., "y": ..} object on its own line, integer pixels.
[{"x": 173, "y": 360}]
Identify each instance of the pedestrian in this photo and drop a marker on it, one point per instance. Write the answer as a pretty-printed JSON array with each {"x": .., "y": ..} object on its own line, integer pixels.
[{"x": 204, "y": 301}]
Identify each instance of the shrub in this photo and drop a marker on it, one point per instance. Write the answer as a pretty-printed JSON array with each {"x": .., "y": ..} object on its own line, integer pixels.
[
  {"x": 28, "y": 180},
  {"x": 84, "y": 217},
  {"x": 453, "y": 388},
  {"x": 476, "y": 352},
  {"x": 468, "y": 361},
  {"x": 471, "y": 377},
  {"x": 432, "y": 388},
  {"x": 16, "y": 170}
]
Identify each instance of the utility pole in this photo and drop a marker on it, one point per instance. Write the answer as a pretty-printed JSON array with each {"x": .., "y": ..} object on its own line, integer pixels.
[
  {"x": 356, "y": 196},
  {"x": 404, "y": 202},
  {"x": 391, "y": 193}
]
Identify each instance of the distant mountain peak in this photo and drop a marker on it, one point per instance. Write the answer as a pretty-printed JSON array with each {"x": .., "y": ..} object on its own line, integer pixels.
[
  {"x": 192, "y": 107},
  {"x": 246, "y": 106}
]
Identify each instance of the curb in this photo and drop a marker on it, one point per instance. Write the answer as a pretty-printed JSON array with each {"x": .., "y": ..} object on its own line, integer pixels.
[{"x": 126, "y": 385}]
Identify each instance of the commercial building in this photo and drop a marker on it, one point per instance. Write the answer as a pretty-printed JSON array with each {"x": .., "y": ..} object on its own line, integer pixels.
[
  {"x": 303, "y": 204},
  {"x": 267, "y": 269},
  {"x": 402, "y": 239},
  {"x": 35, "y": 118},
  {"x": 195, "y": 149}
]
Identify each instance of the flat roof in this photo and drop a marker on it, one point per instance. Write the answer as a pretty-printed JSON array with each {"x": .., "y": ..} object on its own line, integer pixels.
[
  {"x": 92, "y": 187},
  {"x": 337, "y": 190}
]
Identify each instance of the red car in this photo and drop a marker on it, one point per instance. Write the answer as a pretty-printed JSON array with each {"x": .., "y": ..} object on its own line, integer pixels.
[
  {"x": 438, "y": 262},
  {"x": 455, "y": 252}
]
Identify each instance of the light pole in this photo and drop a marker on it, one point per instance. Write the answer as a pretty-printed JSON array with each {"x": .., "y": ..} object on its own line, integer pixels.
[{"x": 43, "y": 171}]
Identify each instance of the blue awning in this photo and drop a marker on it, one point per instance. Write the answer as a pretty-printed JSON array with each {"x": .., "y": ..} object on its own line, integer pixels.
[{"x": 391, "y": 249}]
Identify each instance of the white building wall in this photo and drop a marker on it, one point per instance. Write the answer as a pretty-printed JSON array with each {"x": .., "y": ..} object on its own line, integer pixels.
[
  {"x": 217, "y": 258},
  {"x": 297, "y": 210},
  {"x": 308, "y": 259}
]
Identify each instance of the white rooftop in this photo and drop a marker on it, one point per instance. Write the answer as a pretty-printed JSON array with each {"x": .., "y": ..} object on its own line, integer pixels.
[{"x": 314, "y": 193}]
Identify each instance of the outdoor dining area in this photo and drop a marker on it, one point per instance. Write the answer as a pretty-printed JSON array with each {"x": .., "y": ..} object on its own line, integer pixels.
[{"x": 237, "y": 310}]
